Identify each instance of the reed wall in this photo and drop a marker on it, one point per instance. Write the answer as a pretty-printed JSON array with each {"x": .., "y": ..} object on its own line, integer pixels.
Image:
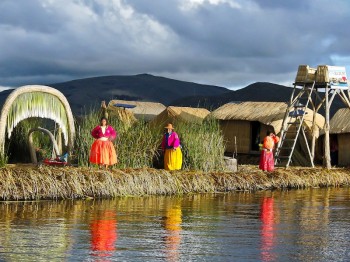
[{"x": 28, "y": 182}]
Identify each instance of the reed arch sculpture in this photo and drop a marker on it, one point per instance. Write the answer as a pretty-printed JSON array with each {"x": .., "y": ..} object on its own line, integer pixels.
[
  {"x": 36, "y": 101},
  {"x": 33, "y": 157}
]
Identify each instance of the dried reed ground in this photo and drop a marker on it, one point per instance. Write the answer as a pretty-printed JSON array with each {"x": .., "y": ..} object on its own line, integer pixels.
[{"x": 28, "y": 182}]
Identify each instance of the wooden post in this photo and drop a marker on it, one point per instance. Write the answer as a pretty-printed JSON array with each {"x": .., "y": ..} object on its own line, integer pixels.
[
  {"x": 313, "y": 130},
  {"x": 327, "y": 151},
  {"x": 59, "y": 140}
]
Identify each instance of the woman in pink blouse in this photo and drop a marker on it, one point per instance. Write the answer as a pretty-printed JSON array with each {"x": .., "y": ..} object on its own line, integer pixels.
[
  {"x": 172, "y": 149},
  {"x": 102, "y": 150}
]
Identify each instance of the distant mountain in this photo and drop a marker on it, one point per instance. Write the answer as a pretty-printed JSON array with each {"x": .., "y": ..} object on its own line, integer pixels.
[
  {"x": 144, "y": 87},
  {"x": 88, "y": 92},
  {"x": 259, "y": 91},
  {"x": 255, "y": 92}
]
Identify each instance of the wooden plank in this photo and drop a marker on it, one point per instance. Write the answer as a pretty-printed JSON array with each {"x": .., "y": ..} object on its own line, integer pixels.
[{"x": 327, "y": 151}]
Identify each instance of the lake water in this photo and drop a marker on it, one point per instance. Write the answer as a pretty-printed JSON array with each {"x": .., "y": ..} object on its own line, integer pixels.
[{"x": 295, "y": 225}]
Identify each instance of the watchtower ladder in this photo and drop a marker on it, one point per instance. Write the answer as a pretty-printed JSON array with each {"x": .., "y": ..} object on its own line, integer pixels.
[{"x": 292, "y": 125}]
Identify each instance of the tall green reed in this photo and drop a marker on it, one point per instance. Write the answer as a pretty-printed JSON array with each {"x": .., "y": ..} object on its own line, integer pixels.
[
  {"x": 84, "y": 140},
  {"x": 136, "y": 142},
  {"x": 137, "y": 145},
  {"x": 202, "y": 145}
]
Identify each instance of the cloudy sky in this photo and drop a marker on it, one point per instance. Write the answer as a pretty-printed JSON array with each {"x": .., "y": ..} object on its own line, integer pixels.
[{"x": 230, "y": 43}]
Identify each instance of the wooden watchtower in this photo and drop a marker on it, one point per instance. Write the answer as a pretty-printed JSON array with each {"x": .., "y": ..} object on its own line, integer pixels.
[{"x": 313, "y": 88}]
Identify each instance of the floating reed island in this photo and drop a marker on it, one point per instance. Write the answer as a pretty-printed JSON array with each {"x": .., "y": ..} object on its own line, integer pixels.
[
  {"x": 202, "y": 140},
  {"x": 27, "y": 182}
]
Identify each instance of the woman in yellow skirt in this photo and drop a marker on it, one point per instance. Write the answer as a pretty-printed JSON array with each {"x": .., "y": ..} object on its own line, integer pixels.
[
  {"x": 172, "y": 150},
  {"x": 102, "y": 150}
]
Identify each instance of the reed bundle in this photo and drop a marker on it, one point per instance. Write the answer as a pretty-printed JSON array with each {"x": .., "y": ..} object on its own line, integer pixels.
[{"x": 28, "y": 182}]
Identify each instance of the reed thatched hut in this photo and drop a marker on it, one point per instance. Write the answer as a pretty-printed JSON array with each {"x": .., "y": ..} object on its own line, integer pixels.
[
  {"x": 248, "y": 122},
  {"x": 340, "y": 137},
  {"x": 146, "y": 111},
  {"x": 173, "y": 114}
]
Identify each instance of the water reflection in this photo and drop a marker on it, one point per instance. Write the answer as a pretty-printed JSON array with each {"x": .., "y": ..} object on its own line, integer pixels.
[
  {"x": 25, "y": 226},
  {"x": 103, "y": 230},
  {"x": 309, "y": 225},
  {"x": 172, "y": 225},
  {"x": 267, "y": 229}
]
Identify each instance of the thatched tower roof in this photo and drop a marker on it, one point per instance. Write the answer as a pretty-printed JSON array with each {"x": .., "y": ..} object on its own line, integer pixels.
[
  {"x": 340, "y": 123},
  {"x": 268, "y": 113},
  {"x": 142, "y": 110},
  {"x": 174, "y": 114}
]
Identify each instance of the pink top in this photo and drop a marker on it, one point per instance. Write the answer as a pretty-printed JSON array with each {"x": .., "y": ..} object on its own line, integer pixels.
[
  {"x": 173, "y": 141},
  {"x": 109, "y": 133}
]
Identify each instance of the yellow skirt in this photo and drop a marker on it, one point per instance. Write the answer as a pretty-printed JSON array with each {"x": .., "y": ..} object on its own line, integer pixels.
[{"x": 173, "y": 159}]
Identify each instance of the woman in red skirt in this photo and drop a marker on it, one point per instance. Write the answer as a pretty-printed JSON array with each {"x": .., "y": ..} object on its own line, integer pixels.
[
  {"x": 267, "y": 162},
  {"x": 102, "y": 150}
]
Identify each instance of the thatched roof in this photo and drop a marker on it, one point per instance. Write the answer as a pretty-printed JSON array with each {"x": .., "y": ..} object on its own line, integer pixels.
[
  {"x": 340, "y": 122},
  {"x": 186, "y": 114},
  {"x": 143, "y": 110},
  {"x": 268, "y": 113}
]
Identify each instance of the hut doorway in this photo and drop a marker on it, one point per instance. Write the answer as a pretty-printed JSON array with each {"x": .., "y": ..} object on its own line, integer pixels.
[
  {"x": 255, "y": 128},
  {"x": 334, "y": 149}
]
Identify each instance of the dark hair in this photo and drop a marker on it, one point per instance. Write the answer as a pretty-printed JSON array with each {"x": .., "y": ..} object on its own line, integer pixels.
[
  {"x": 269, "y": 132},
  {"x": 104, "y": 118}
]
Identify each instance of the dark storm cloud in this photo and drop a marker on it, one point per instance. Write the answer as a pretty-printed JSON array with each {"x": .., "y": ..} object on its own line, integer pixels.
[
  {"x": 296, "y": 4},
  {"x": 223, "y": 42}
]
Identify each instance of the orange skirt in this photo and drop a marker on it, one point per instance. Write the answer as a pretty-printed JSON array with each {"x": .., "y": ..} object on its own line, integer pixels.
[{"x": 103, "y": 153}]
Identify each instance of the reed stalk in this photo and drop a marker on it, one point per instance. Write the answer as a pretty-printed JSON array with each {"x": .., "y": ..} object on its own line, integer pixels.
[{"x": 28, "y": 182}]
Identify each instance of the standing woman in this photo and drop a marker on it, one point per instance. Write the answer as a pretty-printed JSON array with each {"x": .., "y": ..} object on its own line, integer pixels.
[
  {"x": 171, "y": 149},
  {"x": 102, "y": 150},
  {"x": 267, "y": 162}
]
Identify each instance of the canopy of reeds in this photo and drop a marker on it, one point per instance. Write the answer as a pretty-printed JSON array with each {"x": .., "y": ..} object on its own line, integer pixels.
[
  {"x": 37, "y": 104},
  {"x": 143, "y": 110},
  {"x": 174, "y": 114},
  {"x": 126, "y": 117},
  {"x": 36, "y": 101}
]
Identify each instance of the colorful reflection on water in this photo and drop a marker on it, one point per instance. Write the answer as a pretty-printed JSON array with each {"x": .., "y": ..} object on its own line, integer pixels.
[
  {"x": 267, "y": 217},
  {"x": 308, "y": 225},
  {"x": 103, "y": 230}
]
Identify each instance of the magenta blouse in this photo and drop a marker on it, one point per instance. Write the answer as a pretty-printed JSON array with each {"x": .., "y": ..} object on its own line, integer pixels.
[
  {"x": 172, "y": 139},
  {"x": 109, "y": 133}
]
